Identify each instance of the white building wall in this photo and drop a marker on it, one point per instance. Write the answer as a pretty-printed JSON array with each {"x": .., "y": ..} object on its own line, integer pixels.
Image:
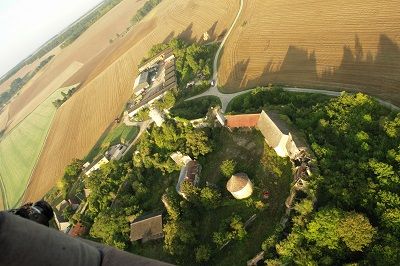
[
  {"x": 244, "y": 192},
  {"x": 281, "y": 148},
  {"x": 157, "y": 117}
]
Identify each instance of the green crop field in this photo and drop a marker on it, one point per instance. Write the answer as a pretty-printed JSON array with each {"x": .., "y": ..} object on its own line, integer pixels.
[{"x": 20, "y": 149}]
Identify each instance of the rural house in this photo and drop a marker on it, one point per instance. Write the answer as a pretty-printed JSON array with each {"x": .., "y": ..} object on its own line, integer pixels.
[
  {"x": 274, "y": 130},
  {"x": 116, "y": 152},
  {"x": 95, "y": 165},
  {"x": 240, "y": 121},
  {"x": 180, "y": 159},
  {"x": 141, "y": 83},
  {"x": 157, "y": 116},
  {"x": 62, "y": 223},
  {"x": 147, "y": 228},
  {"x": 156, "y": 77}
]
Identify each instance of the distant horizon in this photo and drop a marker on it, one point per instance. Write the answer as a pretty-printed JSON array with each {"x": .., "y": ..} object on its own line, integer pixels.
[{"x": 23, "y": 37}]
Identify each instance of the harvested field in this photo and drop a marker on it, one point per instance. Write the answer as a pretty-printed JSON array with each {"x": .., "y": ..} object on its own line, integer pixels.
[
  {"x": 3, "y": 119},
  {"x": 334, "y": 44},
  {"x": 26, "y": 69},
  {"x": 16, "y": 115},
  {"x": 20, "y": 148},
  {"x": 82, "y": 120},
  {"x": 86, "y": 47}
]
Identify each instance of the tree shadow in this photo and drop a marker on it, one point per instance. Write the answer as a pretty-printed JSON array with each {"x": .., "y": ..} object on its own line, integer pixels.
[
  {"x": 358, "y": 70},
  {"x": 187, "y": 34},
  {"x": 169, "y": 37},
  {"x": 238, "y": 74},
  {"x": 379, "y": 74},
  {"x": 298, "y": 64},
  {"x": 211, "y": 31}
]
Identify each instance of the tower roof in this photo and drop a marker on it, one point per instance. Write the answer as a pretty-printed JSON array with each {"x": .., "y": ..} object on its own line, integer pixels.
[{"x": 237, "y": 182}]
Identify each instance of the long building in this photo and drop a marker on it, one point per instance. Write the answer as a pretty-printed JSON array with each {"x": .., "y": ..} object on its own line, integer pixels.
[{"x": 147, "y": 92}]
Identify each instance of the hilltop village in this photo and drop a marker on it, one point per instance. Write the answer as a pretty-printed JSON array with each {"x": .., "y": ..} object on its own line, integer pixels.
[{"x": 189, "y": 180}]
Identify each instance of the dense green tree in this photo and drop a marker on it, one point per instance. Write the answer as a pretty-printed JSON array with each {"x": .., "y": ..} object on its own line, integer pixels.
[
  {"x": 210, "y": 197},
  {"x": 322, "y": 230},
  {"x": 228, "y": 168},
  {"x": 203, "y": 253},
  {"x": 356, "y": 231},
  {"x": 112, "y": 228}
]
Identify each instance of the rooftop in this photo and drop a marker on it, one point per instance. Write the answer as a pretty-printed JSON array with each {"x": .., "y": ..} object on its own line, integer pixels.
[
  {"x": 246, "y": 120},
  {"x": 147, "y": 227},
  {"x": 272, "y": 128},
  {"x": 237, "y": 182}
]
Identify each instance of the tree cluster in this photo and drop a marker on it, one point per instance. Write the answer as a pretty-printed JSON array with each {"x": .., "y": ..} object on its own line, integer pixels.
[
  {"x": 356, "y": 219},
  {"x": 65, "y": 96},
  {"x": 18, "y": 83},
  {"x": 143, "y": 11},
  {"x": 192, "y": 60},
  {"x": 155, "y": 148}
]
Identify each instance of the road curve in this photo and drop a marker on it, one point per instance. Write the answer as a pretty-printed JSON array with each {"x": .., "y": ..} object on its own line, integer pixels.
[
  {"x": 213, "y": 90},
  {"x": 336, "y": 94},
  {"x": 215, "y": 64}
]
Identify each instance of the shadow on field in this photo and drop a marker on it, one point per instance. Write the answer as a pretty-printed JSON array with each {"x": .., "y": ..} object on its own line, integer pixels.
[
  {"x": 377, "y": 74},
  {"x": 187, "y": 34}
]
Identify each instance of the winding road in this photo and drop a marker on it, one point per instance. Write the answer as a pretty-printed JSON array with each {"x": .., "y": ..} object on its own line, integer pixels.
[
  {"x": 213, "y": 91},
  {"x": 225, "y": 98}
]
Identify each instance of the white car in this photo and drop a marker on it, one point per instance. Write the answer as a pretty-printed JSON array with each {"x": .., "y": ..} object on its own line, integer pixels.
[{"x": 212, "y": 83}]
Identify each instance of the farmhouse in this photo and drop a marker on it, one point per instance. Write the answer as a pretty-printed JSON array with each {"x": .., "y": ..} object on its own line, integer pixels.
[
  {"x": 157, "y": 116},
  {"x": 147, "y": 228},
  {"x": 240, "y": 186},
  {"x": 157, "y": 76},
  {"x": 95, "y": 165},
  {"x": 115, "y": 152},
  {"x": 141, "y": 83},
  {"x": 189, "y": 172}
]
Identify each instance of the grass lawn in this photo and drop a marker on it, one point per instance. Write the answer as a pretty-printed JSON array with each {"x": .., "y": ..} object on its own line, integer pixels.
[
  {"x": 21, "y": 147},
  {"x": 267, "y": 171},
  {"x": 115, "y": 134}
]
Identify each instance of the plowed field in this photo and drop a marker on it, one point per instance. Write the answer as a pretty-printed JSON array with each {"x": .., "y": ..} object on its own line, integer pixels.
[
  {"x": 109, "y": 78},
  {"x": 331, "y": 44}
]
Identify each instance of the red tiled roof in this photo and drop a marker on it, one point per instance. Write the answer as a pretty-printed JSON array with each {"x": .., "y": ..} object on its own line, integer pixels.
[
  {"x": 250, "y": 120},
  {"x": 77, "y": 230}
]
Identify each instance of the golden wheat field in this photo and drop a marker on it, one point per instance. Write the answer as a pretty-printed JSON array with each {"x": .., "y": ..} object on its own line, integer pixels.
[
  {"x": 109, "y": 78},
  {"x": 335, "y": 44}
]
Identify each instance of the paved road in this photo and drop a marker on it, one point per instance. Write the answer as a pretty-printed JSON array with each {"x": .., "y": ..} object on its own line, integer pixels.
[
  {"x": 225, "y": 98},
  {"x": 213, "y": 91},
  {"x": 143, "y": 126},
  {"x": 336, "y": 93}
]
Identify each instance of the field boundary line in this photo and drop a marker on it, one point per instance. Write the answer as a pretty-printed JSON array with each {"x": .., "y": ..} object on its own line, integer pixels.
[
  {"x": 3, "y": 194},
  {"x": 37, "y": 159}
]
